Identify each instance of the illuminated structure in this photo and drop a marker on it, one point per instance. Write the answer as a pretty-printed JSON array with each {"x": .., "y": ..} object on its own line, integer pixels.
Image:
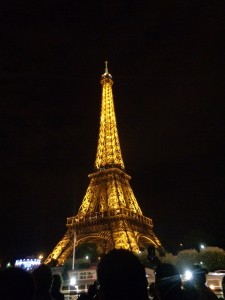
[
  {"x": 27, "y": 264},
  {"x": 109, "y": 215}
]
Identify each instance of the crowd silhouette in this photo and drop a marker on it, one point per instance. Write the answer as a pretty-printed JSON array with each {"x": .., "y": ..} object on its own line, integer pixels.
[{"x": 121, "y": 276}]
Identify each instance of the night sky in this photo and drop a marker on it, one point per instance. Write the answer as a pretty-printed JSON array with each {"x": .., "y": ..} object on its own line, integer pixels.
[{"x": 168, "y": 66}]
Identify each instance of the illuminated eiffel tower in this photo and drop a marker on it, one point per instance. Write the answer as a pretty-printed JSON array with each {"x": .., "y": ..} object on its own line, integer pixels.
[{"x": 109, "y": 215}]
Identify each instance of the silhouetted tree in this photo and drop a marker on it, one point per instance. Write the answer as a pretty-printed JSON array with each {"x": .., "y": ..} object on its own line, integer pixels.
[
  {"x": 186, "y": 258},
  {"x": 213, "y": 258}
]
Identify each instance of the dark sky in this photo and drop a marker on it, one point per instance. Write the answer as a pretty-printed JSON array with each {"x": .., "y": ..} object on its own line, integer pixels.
[{"x": 168, "y": 66}]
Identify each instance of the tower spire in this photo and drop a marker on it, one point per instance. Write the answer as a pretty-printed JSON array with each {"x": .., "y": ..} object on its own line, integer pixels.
[
  {"x": 106, "y": 67},
  {"x": 108, "y": 150}
]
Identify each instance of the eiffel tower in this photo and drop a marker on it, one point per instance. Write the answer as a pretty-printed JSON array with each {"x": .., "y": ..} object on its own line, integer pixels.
[{"x": 109, "y": 215}]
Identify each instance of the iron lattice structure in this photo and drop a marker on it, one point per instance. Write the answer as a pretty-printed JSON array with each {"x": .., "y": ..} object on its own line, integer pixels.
[{"x": 109, "y": 215}]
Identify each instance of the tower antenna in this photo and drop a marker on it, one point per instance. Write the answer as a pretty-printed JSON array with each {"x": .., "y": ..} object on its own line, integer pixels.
[{"x": 106, "y": 67}]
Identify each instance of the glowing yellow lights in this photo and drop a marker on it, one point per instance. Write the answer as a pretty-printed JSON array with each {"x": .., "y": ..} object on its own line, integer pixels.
[
  {"x": 109, "y": 214},
  {"x": 108, "y": 150}
]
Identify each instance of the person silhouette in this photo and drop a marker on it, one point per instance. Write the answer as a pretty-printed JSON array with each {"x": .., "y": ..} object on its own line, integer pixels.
[
  {"x": 121, "y": 276},
  {"x": 190, "y": 288},
  {"x": 199, "y": 281},
  {"x": 56, "y": 286},
  {"x": 16, "y": 283},
  {"x": 43, "y": 280},
  {"x": 223, "y": 286},
  {"x": 152, "y": 292},
  {"x": 168, "y": 283},
  {"x": 92, "y": 290}
]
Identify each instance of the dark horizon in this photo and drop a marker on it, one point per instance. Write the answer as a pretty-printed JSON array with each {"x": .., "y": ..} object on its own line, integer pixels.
[{"x": 168, "y": 67}]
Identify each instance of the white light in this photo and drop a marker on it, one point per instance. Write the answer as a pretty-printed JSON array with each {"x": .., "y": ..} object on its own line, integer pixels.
[
  {"x": 187, "y": 275},
  {"x": 73, "y": 281},
  {"x": 202, "y": 246},
  {"x": 27, "y": 264},
  {"x": 87, "y": 257}
]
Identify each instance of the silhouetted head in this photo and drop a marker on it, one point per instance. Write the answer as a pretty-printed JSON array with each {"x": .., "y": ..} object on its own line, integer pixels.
[
  {"x": 167, "y": 281},
  {"x": 43, "y": 279},
  {"x": 16, "y": 283},
  {"x": 198, "y": 275},
  {"x": 122, "y": 276}
]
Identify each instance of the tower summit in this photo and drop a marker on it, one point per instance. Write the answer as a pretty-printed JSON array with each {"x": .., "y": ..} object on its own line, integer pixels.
[
  {"x": 108, "y": 150},
  {"x": 109, "y": 215}
]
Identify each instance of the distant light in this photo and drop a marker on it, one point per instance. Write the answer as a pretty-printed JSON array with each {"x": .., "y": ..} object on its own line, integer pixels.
[
  {"x": 27, "y": 264},
  {"x": 87, "y": 257},
  {"x": 8, "y": 265},
  {"x": 73, "y": 281},
  {"x": 40, "y": 256},
  {"x": 201, "y": 263},
  {"x": 187, "y": 275},
  {"x": 202, "y": 246}
]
